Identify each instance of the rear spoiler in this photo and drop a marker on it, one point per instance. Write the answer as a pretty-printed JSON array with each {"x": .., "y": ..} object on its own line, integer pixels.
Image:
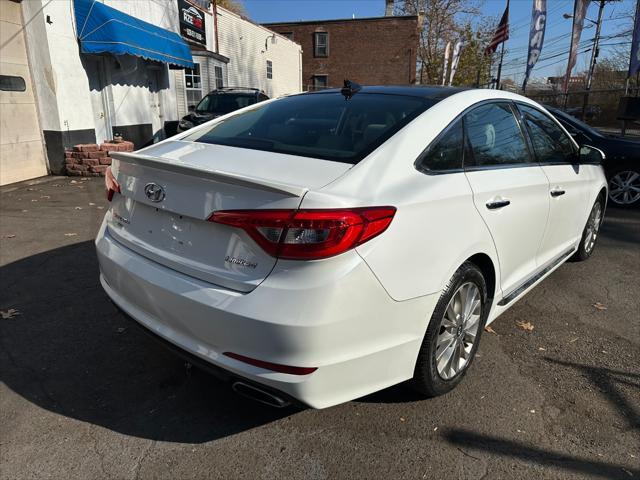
[{"x": 226, "y": 177}]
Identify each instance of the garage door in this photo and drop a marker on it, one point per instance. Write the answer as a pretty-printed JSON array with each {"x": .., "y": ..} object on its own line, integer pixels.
[{"x": 21, "y": 148}]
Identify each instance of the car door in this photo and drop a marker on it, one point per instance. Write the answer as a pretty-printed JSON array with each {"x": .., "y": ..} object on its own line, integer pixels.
[
  {"x": 568, "y": 186},
  {"x": 510, "y": 190}
]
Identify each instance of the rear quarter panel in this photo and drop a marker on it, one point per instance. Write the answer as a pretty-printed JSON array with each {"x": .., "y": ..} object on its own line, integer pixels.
[{"x": 436, "y": 226}]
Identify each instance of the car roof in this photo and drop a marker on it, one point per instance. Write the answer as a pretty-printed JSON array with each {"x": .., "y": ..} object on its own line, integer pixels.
[
  {"x": 225, "y": 90},
  {"x": 422, "y": 91}
]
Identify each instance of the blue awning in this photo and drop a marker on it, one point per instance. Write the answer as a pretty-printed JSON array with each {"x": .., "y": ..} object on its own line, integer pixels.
[{"x": 102, "y": 29}]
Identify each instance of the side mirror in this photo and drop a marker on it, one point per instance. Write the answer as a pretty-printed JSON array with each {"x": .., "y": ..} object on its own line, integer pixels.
[
  {"x": 192, "y": 108},
  {"x": 589, "y": 154}
]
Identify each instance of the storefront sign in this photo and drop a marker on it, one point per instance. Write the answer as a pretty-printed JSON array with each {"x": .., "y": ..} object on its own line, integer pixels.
[{"x": 192, "y": 23}]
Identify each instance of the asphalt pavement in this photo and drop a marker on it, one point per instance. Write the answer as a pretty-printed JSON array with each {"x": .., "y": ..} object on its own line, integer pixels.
[{"x": 553, "y": 394}]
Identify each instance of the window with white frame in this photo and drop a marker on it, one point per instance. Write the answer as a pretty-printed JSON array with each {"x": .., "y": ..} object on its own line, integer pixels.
[
  {"x": 193, "y": 85},
  {"x": 217, "y": 71},
  {"x": 269, "y": 69},
  {"x": 321, "y": 44}
]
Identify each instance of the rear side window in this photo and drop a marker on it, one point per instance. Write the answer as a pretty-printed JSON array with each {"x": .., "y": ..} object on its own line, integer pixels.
[
  {"x": 550, "y": 143},
  {"x": 495, "y": 137},
  {"x": 445, "y": 153},
  {"x": 319, "y": 125}
]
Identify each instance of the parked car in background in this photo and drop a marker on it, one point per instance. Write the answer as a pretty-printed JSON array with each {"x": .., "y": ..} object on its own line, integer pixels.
[
  {"x": 591, "y": 112},
  {"x": 220, "y": 102},
  {"x": 327, "y": 245},
  {"x": 622, "y": 162}
]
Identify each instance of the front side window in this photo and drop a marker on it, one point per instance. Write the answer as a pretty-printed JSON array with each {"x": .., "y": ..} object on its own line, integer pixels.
[
  {"x": 446, "y": 152},
  {"x": 269, "y": 69},
  {"x": 193, "y": 84},
  {"x": 321, "y": 44},
  {"x": 550, "y": 143},
  {"x": 317, "y": 125},
  {"x": 495, "y": 137}
]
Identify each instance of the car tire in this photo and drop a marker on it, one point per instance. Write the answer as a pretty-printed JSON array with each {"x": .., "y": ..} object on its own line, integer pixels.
[
  {"x": 432, "y": 376},
  {"x": 590, "y": 233},
  {"x": 623, "y": 184}
]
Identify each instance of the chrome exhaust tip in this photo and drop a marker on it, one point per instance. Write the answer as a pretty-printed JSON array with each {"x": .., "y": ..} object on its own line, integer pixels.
[{"x": 259, "y": 395}]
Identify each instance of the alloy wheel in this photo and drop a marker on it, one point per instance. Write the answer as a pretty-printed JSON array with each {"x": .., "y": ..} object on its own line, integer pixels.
[
  {"x": 458, "y": 331},
  {"x": 624, "y": 187},
  {"x": 593, "y": 226}
]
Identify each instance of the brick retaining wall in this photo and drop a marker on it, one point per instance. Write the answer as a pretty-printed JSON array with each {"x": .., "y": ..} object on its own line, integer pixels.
[{"x": 91, "y": 159}]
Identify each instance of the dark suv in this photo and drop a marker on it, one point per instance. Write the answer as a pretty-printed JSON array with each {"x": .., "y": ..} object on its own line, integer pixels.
[{"x": 220, "y": 102}]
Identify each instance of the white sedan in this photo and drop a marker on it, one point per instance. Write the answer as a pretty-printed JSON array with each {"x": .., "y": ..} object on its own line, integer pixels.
[{"x": 327, "y": 245}]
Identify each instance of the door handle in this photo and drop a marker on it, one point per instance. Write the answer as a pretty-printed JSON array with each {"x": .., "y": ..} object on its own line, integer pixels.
[
  {"x": 556, "y": 192},
  {"x": 498, "y": 203}
]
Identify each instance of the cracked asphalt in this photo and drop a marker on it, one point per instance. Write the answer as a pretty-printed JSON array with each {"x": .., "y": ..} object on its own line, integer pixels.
[{"x": 83, "y": 395}]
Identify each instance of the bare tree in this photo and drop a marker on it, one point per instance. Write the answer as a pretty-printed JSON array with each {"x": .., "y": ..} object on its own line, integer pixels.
[
  {"x": 236, "y": 6},
  {"x": 442, "y": 24}
]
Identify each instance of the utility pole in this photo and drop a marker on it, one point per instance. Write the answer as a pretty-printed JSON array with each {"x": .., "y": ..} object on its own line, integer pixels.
[{"x": 594, "y": 56}]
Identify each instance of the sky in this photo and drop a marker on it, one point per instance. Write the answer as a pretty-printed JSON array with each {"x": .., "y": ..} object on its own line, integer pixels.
[{"x": 553, "y": 60}]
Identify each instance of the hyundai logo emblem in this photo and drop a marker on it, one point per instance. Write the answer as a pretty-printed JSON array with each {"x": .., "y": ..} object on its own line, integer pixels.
[{"x": 154, "y": 192}]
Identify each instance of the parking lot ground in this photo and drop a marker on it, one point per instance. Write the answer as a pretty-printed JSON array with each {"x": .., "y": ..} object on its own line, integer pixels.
[{"x": 83, "y": 395}]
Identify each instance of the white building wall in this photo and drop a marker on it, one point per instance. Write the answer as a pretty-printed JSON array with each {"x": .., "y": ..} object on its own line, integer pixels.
[
  {"x": 63, "y": 77},
  {"x": 249, "y": 46},
  {"x": 68, "y": 87},
  {"x": 61, "y": 83}
]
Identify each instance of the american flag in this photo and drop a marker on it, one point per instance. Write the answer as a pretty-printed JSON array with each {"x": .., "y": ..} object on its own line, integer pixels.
[{"x": 501, "y": 34}]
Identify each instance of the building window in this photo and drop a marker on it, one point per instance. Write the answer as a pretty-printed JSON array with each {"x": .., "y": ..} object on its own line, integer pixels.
[
  {"x": 10, "y": 83},
  {"x": 218, "y": 74},
  {"x": 289, "y": 35},
  {"x": 321, "y": 44},
  {"x": 320, "y": 82},
  {"x": 193, "y": 85},
  {"x": 269, "y": 69}
]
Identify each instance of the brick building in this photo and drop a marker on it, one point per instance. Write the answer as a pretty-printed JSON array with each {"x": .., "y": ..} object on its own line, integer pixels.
[{"x": 371, "y": 51}]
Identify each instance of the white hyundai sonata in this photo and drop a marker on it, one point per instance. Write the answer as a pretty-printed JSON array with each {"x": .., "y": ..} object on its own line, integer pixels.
[{"x": 327, "y": 245}]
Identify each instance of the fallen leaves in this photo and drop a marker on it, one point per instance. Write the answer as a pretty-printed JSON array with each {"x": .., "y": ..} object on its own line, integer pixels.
[
  {"x": 70, "y": 234},
  {"x": 9, "y": 235},
  {"x": 488, "y": 329},
  {"x": 599, "y": 306},
  {"x": 11, "y": 313},
  {"x": 526, "y": 326}
]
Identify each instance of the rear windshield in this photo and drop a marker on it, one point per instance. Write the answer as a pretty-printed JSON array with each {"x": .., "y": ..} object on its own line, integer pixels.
[
  {"x": 324, "y": 125},
  {"x": 224, "y": 103}
]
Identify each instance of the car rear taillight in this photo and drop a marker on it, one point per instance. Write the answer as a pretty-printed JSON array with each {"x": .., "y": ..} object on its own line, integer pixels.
[
  {"x": 110, "y": 183},
  {"x": 308, "y": 234}
]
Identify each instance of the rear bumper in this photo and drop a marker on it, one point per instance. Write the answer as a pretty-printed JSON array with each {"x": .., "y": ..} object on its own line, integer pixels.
[
  {"x": 332, "y": 314},
  {"x": 219, "y": 373}
]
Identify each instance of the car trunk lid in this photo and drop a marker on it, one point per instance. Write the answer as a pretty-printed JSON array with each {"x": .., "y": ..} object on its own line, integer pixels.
[{"x": 169, "y": 191}]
